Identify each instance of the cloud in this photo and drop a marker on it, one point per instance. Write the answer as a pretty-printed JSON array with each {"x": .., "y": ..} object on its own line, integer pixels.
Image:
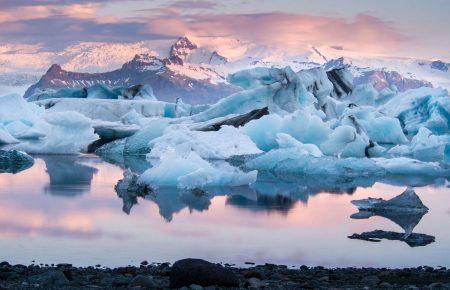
[
  {"x": 365, "y": 32},
  {"x": 69, "y": 23},
  {"x": 189, "y": 4}
]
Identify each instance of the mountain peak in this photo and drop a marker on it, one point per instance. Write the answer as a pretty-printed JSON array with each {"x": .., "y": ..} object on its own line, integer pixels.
[
  {"x": 54, "y": 68},
  {"x": 180, "y": 50}
]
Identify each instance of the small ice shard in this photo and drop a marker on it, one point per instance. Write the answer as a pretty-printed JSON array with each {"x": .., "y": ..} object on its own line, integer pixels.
[
  {"x": 13, "y": 161},
  {"x": 407, "y": 201},
  {"x": 129, "y": 189},
  {"x": 413, "y": 240}
]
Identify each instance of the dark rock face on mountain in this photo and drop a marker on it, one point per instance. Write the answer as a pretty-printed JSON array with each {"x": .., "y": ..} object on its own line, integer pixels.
[
  {"x": 180, "y": 50},
  {"x": 143, "y": 69},
  {"x": 386, "y": 79},
  {"x": 440, "y": 65}
]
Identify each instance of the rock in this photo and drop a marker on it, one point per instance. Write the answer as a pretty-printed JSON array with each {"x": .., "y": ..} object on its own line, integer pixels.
[
  {"x": 436, "y": 285},
  {"x": 370, "y": 280},
  {"x": 252, "y": 274},
  {"x": 196, "y": 287},
  {"x": 143, "y": 281},
  {"x": 14, "y": 161},
  {"x": 385, "y": 285},
  {"x": 144, "y": 263},
  {"x": 196, "y": 271},
  {"x": 120, "y": 281},
  {"x": 51, "y": 278},
  {"x": 255, "y": 283}
]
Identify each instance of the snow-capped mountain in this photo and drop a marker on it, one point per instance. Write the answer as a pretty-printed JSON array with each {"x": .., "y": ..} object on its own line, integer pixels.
[
  {"x": 142, "y": 69},
  {"x": 205, "y": 60}
]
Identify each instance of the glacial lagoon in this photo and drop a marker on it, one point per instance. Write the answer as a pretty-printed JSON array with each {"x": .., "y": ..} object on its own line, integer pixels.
[{"x": 64, "y": 209}]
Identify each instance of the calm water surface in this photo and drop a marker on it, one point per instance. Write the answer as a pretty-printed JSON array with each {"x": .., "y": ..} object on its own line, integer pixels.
[{"x": 65, "y": 209}]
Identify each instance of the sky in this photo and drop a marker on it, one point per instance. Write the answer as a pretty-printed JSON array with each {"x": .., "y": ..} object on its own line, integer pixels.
[{"x": 413, "y": 28}]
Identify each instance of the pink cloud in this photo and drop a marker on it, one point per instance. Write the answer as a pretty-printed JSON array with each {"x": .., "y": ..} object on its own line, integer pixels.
[{"x": 365, "y": 32}]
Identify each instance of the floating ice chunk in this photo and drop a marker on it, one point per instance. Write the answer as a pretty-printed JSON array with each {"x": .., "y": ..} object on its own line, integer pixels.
[
  {"x": 363, "y": 95},
  {"x": 139, "y": 142},
  {"x": 426, "y": 146},
  {"x": 70, "y": 133},
  {"x": 379, "y": 128},
  {"x": 15, "y": 108},
  {"x": 21, "y": 130},
  {"x": 293, "y": 160},
  {"x": 302, "y": 125},
  {"x": 6, "y": 137},
  {"x": 338, "y": 140},
  {"x": 99, "y": 91},
  {"x": 192, "y": 171},
  {"x": 287, "y": 141},
  {"x": 132, "y": 117},
  {"x": 222, "y": 144},
  {"x": 423, "y": 107},
  {"x": 13, "y": 161},
  {"x": 400, "y": 150},
  {"x": 384, "y": 130},
  {"x": 407, "y": 201},
  {"x": 447, "y": 154},
  {"x": 403, "y": 165},
  {"x": 239, "y": 103},
  {"x": 256, "y": 77},
  {"x": 104, "y": 109}
]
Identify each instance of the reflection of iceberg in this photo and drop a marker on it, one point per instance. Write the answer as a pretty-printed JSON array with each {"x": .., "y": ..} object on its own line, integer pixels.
[
  {"x": 405, "y": 210},
  {"x": 413, "y": 240},
  {"x": 263, "y": 202},
  {"x": 128, "y": 189},
  {"x": 270, "y": 192},
  {"x": 67, "y": 176}
]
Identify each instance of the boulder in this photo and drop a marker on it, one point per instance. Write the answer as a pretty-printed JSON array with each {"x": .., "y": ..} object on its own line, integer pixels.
[{"x": 200, "y": 272}]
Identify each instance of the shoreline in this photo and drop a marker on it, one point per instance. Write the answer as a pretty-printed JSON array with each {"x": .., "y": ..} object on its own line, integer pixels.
[{"x": 199, "y": 274}]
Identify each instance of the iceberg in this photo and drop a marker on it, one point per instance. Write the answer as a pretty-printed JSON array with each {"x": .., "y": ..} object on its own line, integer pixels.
[
  {"x": 423, "y": 107},
  {"x": 70, "y": 133},
  {"x": 6, "y": 137},
  {"x": 191, "y": 171},
  {"x": 407, "y": 201},
  {"x": 96, "y": 91},
  {"x": 222, "y": 144}
]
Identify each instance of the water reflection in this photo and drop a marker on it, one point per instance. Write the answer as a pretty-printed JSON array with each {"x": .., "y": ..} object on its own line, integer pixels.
[
  {"x": 270, "y": 193},
  {"x": 68, "y": 177},
  {"x": 279, "y": 219},
  {"x": 407, "y": 211}
]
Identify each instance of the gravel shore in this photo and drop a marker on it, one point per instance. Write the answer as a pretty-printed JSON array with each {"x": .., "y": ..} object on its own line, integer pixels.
[{"x": 199, "y": 274}]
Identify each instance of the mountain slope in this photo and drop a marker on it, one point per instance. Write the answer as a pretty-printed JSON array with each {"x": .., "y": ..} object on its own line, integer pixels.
[{"x": 143, "y": 69}]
